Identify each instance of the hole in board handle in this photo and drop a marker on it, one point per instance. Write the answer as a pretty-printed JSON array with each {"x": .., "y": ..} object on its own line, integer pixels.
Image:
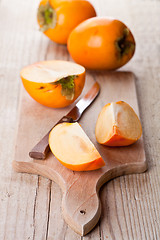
[{"x": 82, "y": 212}]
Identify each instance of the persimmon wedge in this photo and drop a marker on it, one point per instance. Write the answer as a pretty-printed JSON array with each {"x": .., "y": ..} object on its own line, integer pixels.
[
  {"x": 72, "y": 147},
  {"x": 118, "y": 125},
  {"x": 54, "y": 83}
]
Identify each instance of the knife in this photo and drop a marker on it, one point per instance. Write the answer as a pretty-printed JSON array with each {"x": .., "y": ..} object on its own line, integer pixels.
[{"x": 41, "y": 149}]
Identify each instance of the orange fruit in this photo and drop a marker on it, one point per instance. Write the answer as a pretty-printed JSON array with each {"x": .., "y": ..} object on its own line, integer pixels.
[
  {"x": 57, "y": 18},
  {"x": 54, "y": 83},
  {"x": 72, "y": 147},
  {"x": 118, "y": 125},
  {"x": 101, "y": 43}
]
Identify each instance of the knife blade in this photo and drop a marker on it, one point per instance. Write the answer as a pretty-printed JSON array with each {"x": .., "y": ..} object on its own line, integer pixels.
[{"x": 41, "y": 149}]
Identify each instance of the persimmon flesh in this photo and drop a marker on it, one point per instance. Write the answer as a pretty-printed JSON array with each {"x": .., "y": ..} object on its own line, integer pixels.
[
  {"x": 118, "y": 125},
  {"x": 54, "y": 83},
  {"x": 101, "y": 43},
  {"x": 72, "y": 147},
  {"x": 57, "y": 18}
]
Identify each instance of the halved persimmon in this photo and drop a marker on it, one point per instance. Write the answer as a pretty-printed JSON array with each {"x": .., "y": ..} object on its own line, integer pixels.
[
  {"x": 72, "y": 147},
  {"x": 54, "y": 83},
  {"x": 118, "y": 125},
  {"x": 57, "y": 18}
]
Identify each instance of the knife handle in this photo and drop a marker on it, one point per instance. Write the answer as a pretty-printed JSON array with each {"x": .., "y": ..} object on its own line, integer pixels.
[{"x": 41, "y": 149}]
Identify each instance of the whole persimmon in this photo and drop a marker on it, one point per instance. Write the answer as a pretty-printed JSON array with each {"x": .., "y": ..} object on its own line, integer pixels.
[
  {"x": 57, "y": 18},
  {"x": 101, "y": 43},
  {"x": 54, "y": 83}
]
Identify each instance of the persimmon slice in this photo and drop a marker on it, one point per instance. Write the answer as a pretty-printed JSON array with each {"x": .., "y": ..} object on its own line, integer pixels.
[
  {"x": 118, "y": 125},
  {"x": 54, "y": 83},
  {"x": 72, "y": 147}
]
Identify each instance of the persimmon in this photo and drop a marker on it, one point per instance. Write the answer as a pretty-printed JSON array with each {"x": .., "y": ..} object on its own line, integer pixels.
[
  {"x": 57, "y": 18},
  {"x": 72, "y": 147},
  {"x": 101, "y": 43},
  {"x": 54, "y": 83},
  {"x": 118, "y": 125}
]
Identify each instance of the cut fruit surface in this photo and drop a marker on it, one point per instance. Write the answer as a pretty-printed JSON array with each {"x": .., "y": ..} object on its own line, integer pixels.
[
  {"x": 54, "y": 83},
  {"x": 118, "y": 125},
  {"x": 72, "y": 147}
]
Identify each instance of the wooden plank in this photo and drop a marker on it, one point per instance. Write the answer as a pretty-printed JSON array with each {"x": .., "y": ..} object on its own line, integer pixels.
[
  {"x": 18, "y": 193},
  {"x": 138, "y": 193}
]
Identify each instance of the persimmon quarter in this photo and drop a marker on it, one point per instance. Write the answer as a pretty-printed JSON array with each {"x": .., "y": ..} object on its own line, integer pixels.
[
  {"x": 72, "y": 147},
  {"x": 118, "y": 125}
]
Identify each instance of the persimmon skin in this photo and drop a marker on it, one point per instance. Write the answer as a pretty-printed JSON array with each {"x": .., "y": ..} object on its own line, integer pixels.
[
  {"x": 93, "y": 44},
  {"x": 50, "y": 95},
  {"x": 94, "y": 165},
  {"x": 118, "y": 140},
  {"x": 69, "y": 13}
]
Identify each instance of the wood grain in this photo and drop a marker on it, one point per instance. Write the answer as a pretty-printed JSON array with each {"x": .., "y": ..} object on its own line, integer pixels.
[{"x": 134, "y": 214}]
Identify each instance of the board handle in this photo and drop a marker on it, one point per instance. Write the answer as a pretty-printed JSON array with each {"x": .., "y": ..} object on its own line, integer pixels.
[{"x": 81, "y": 209}]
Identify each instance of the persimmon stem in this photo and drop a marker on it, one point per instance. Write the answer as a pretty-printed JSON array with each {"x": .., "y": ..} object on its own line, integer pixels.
[
  {"x": 47, "y": 17},
  {"x": 68, "y": 86},
  {"x": 123, "y": 45}
]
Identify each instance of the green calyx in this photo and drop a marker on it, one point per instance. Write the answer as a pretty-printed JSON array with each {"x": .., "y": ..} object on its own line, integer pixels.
[
  {"x": 46, "y": 16},
  {"x": 68, "y": 86},
  {"x": 123, "y": 45}
]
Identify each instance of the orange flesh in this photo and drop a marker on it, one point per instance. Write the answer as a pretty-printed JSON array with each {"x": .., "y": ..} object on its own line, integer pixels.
[
  {"x": 118, "y": 125},
  {"x": 50, "y": 71},
  {"x": 73, "y": 148}
]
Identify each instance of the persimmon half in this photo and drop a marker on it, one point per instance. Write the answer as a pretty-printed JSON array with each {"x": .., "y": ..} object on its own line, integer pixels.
[
  {"x": 101, "y": 43},
  {"x": 54, "y": 83},
  {"x": 118, "y": 125},
  {"x": 72, "y": 147},
  {"x": 57, "y": 18}
]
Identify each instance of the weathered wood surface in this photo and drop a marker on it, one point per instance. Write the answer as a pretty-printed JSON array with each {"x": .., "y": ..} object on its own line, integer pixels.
[{"x": 29, "y": 205}]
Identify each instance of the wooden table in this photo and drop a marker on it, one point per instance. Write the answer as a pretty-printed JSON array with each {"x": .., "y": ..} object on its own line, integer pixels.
[{"x": 30, "y": 206}]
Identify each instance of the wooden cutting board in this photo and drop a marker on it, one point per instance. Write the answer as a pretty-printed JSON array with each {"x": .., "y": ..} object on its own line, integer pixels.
[{"x": 80, "y": 204}]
